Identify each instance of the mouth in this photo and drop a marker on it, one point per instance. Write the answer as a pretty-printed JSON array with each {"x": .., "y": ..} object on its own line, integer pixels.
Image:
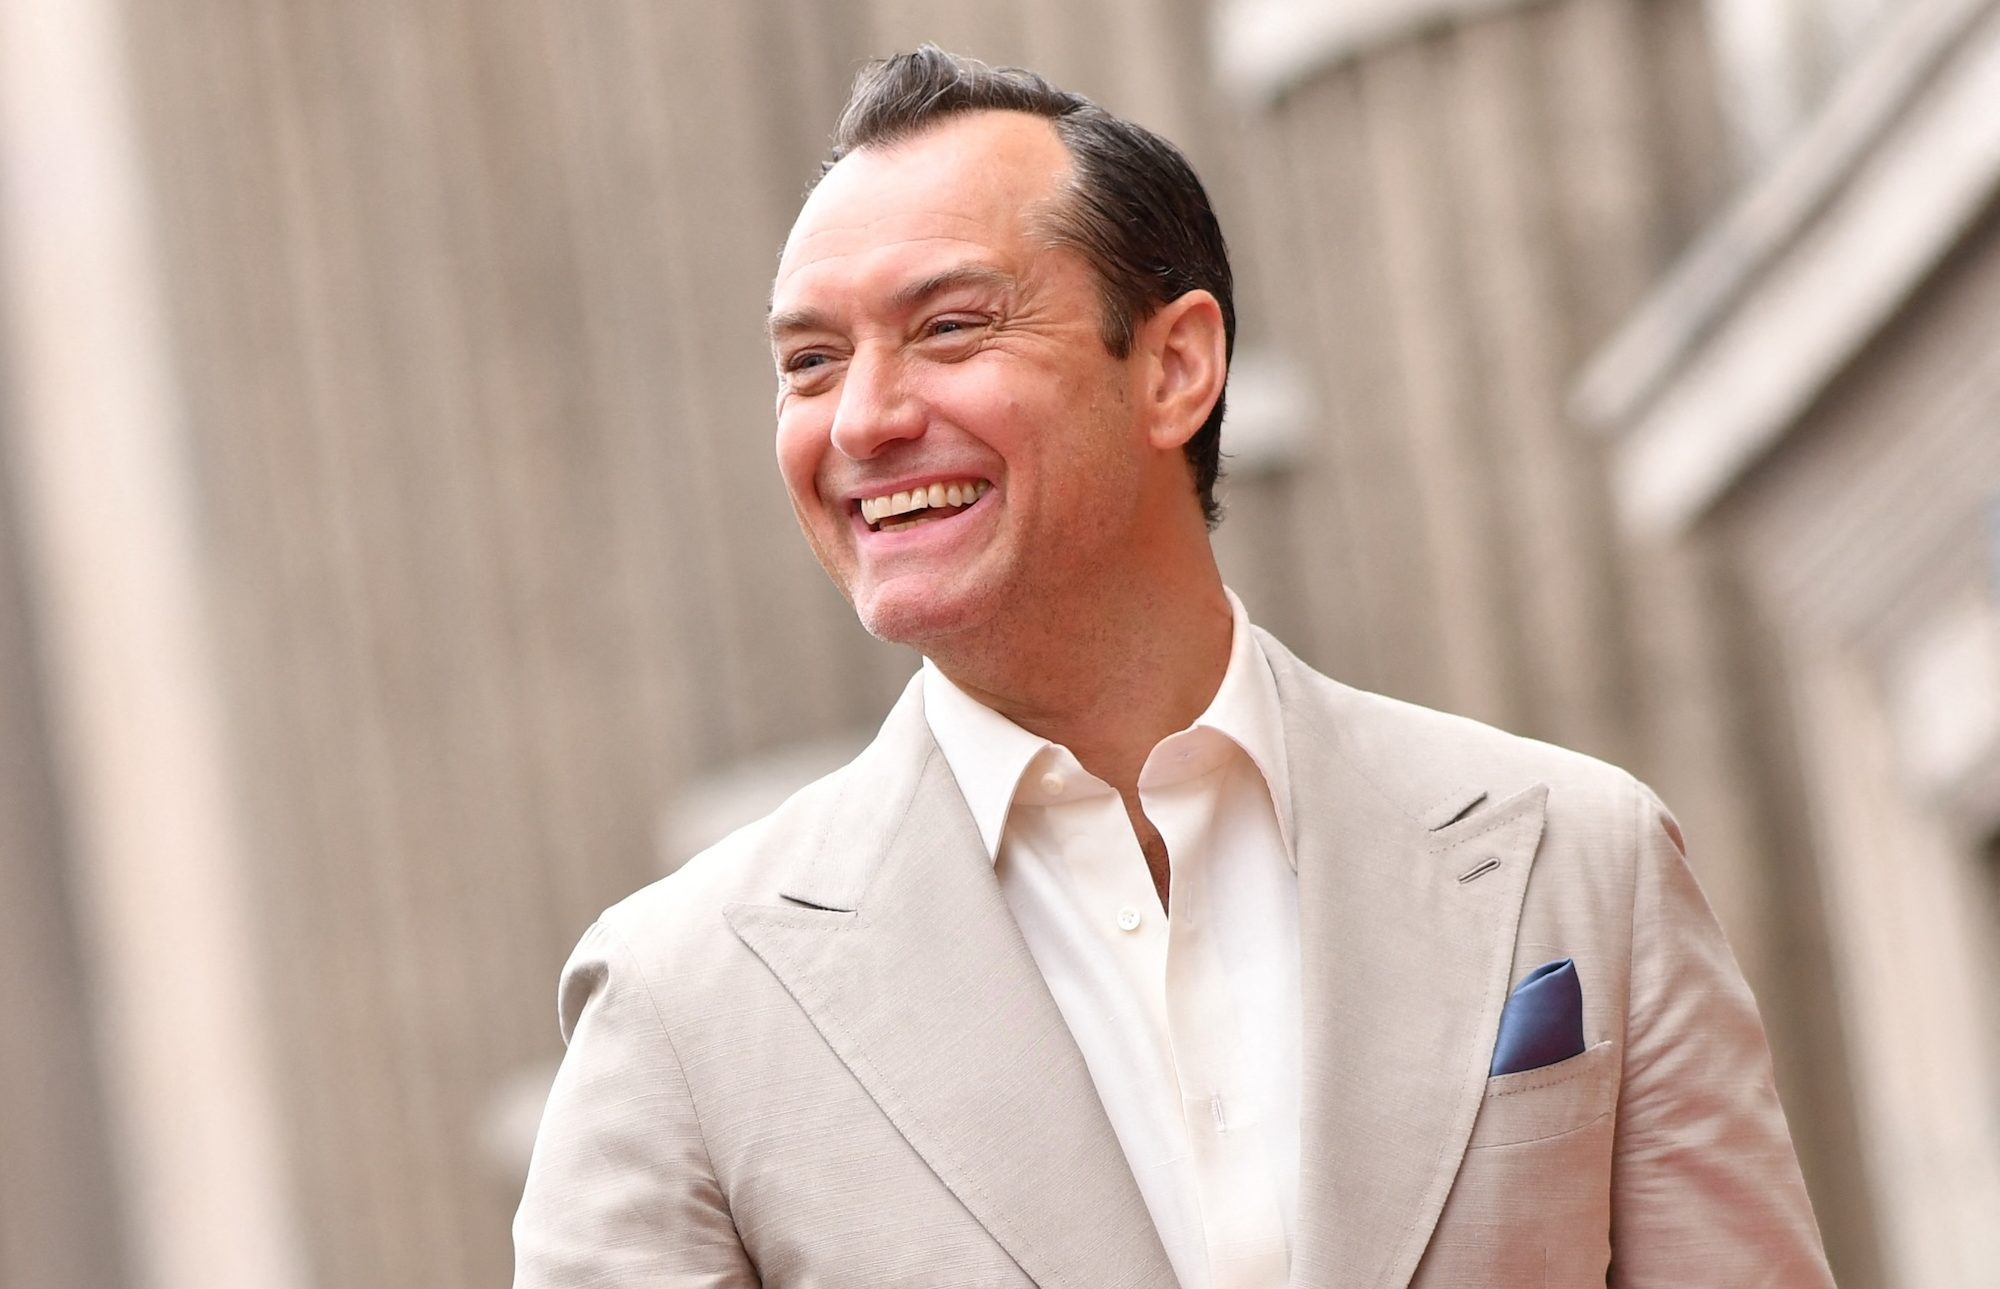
[{"x": 894, "y": 511}]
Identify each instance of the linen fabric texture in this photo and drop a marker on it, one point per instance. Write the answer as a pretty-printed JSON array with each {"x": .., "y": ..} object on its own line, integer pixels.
[{"x": 821, "y": 1054}]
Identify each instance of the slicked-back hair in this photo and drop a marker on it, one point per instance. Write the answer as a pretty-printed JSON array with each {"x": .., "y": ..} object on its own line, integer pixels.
[{"x": 1134, "y": 208}]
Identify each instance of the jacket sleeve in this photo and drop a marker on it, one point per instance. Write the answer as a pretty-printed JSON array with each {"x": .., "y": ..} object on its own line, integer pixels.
[
  {"x": 620, "y": 1191},
  {"x": 1705, "y": 1187}
]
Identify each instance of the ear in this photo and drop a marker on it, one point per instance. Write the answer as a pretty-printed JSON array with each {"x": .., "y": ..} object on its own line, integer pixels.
[{"x": 1189, "y": 351}]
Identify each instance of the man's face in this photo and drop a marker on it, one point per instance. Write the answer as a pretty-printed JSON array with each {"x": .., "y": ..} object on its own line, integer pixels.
[{"x": 933, "y": 347}]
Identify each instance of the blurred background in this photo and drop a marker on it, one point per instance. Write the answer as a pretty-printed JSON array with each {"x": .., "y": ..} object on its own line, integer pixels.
[{"x": 393, "y": 569}]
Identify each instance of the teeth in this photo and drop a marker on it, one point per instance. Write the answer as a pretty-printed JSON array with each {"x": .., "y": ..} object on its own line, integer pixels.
[{"x": 961, "y": 492}]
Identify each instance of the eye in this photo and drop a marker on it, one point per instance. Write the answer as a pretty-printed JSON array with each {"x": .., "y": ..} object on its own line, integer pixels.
[
  {"x": 957, "y": 325},
  {"x": 809, "y": 371}
]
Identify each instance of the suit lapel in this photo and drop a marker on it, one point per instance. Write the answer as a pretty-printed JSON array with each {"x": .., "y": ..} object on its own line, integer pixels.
[
  {"x": 900, "y": 948},
  {"x": 1409, "y": 903}
]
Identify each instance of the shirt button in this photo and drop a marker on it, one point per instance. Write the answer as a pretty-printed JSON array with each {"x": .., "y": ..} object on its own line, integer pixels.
[
  {"x": 1052, "y": 783},
  {"x": 1128, "y": 919}
]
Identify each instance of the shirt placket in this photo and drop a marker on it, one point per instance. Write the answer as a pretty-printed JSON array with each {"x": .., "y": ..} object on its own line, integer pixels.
[
  {"x": 1118, "y": 890},
  {"x": 1239, "y": 1204}
]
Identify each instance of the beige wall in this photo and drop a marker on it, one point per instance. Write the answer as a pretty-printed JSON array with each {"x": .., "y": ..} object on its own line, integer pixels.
[
  {"x": 1812, "y": 396},
  {"x": 1869, "y": 535},
  {"x": 462, "y": 300},
  {"x": 59, "y": 1211}
]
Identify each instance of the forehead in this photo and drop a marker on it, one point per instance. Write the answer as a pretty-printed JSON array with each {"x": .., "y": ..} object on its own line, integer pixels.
[{"x": 967, "y": 188}]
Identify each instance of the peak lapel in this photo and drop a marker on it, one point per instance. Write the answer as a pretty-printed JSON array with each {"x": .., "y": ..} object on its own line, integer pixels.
[
  {"x": 910, "y": 965},
  {"x": 1408, "y": 915}
]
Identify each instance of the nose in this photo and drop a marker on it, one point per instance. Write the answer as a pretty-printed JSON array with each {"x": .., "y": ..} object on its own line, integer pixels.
[{"x": 876, "y": 408}]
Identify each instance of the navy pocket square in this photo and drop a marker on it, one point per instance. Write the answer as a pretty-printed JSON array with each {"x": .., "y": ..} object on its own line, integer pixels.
[{"x": 1543, "y": 1020}]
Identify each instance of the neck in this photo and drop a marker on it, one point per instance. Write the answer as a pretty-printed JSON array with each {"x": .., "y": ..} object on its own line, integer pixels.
[{"x": 1109, "y": 683}]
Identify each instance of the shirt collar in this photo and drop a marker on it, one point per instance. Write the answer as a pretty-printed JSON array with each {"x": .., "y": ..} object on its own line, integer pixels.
[
  {"x": 1245, "y": 709},
  {"x": 988, "y": 753}
]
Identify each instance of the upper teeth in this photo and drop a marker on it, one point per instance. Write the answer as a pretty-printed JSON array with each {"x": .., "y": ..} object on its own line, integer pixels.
[{"x": 959, "y": 492}]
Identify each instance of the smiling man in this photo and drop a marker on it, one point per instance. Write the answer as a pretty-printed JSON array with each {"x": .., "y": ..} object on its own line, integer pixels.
[{"x": 1132, "y": 951}]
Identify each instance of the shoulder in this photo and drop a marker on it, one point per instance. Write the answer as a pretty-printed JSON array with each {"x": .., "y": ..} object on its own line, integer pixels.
[
  {"x": 751, "y": 865},
  {"x": 668, "y": 947},
  {"x": 809, "y": 842},
  {"x": 1426, "y": 761}
]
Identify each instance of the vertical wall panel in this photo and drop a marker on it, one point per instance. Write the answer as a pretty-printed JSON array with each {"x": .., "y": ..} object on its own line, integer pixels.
[
  {"x": 1369, "y": 486},
  {"x": 60, "y": 1210},
  {"x": 1495, "y": 152},
  {"x": 1409, "y": 149}
]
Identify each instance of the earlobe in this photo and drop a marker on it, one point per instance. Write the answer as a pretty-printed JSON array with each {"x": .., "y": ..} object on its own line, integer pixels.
[{"x": 1189, "y": 347}]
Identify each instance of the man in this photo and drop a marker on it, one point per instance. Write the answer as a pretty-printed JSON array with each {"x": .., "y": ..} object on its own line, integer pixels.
[{"x": 1132, "y": 951}]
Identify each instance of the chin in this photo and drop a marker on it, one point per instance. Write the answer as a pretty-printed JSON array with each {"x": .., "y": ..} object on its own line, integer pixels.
[{"x": 916, "y": 615}]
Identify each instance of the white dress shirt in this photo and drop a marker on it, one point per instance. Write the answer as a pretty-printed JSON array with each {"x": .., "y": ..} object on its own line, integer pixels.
[{"x": 1188, "y": 1021}]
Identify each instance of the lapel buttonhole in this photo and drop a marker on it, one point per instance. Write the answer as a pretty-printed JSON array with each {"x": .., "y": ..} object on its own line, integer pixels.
[{"x": 1479, "y": 870}]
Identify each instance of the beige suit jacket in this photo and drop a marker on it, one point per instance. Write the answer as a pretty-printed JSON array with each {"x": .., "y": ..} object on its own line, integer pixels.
[{"x": 820, "y": 1053}]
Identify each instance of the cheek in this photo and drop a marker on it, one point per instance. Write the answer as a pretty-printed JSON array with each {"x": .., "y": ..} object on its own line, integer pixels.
[
  {"x": 989, "y": 407},
  {"x": 801, "y": 443}
]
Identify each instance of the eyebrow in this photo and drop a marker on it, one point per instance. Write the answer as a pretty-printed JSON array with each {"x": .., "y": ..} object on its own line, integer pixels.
[{"x": 906, "y": 297}]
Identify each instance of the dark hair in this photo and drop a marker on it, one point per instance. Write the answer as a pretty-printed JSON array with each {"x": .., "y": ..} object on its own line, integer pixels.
[{"x": 1134, "y": 209}]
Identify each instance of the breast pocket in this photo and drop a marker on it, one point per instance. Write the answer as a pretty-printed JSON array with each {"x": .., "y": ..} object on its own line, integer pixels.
[{"x": 1537, "y": 1104}]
